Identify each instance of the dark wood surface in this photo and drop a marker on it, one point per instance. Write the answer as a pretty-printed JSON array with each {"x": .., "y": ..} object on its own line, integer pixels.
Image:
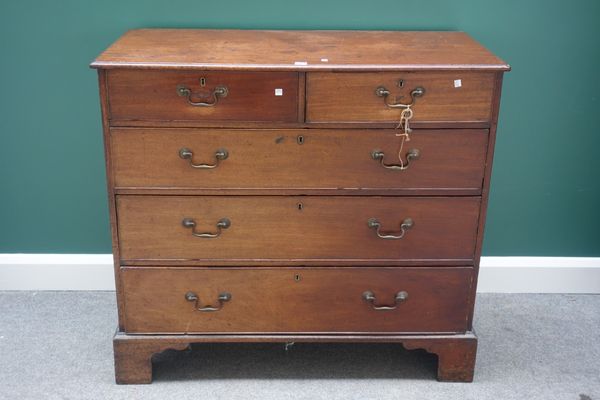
[
  {"x": 133, "y": 358},
  {"x": 456, "y": 356},
  {"x": 449, "y": 161},
  {"x": 290, "y": 50},
  {"x": 350, "y": 97},
  {"x": 133, "y": 353},
  {"x": 299, "y": 125},
  {"x": 110, "y": 189},
  {"x": 328, "y": 80},
  {"x": 303, "y": 300},
  {"x": 485, "y": 195},
  {"x": 274, "y": 228},
  {"x": 152, "y": 96}
]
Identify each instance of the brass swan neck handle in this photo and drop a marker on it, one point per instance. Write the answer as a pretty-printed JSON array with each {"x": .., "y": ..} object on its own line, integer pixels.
[{"x": 381, "y": 91}]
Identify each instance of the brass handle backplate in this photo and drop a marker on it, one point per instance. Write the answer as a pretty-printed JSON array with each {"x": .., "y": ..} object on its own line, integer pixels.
[
  {"x": 381, "y": 91},
  {"x": 413, "y": 154},
  {"x": 223, "y": 223},
  {"x": 404, "y": 226},
  {"x": 369, "y": 297},
  {"x": 187, "y": 154},
  {"x": 193, "y": 297},
  {"x": 216, "y": 94}
]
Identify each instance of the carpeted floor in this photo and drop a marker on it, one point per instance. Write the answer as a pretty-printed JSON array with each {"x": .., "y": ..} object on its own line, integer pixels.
[{"x": 57, "y": 345}]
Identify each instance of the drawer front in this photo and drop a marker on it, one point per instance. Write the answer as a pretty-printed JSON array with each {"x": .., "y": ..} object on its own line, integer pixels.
[
  {"x": 162, "y": 96},
  {"x": 296, "y": 229},
  {"x": 447, "y": 97},
  {"x": 298, "y": 159},
  {"x": 282, "y": 300}
]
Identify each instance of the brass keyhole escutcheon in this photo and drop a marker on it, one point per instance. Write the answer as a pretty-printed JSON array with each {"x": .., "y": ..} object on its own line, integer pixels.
[
  {"x": 203, "y": 81},
  {"x": 400, "y": 83},
  {"x": 300, "y": 206},
  {"x": 300, "y": 139},
  {"x": 297, "y": 278}
]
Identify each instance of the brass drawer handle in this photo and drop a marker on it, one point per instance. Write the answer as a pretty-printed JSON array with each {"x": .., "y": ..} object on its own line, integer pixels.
[
  {"x": 404, "y": 226},
  {"x": 369, "y": 297},
  {"x": 383, "y": 92},
  {"x": 223, "y": 223},
  {"x": 413, "y": 154},
  {"x": 187, "y": 154},
  {"x": 223, "y": 297},
  {"x": 220, "y": 91}
]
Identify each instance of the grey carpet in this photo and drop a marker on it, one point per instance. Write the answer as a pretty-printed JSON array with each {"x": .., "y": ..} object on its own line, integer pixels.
[{"x": 57, "y": 345}]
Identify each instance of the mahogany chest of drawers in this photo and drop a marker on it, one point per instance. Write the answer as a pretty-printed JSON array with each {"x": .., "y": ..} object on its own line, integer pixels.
[{"x": 289, "y": 186}]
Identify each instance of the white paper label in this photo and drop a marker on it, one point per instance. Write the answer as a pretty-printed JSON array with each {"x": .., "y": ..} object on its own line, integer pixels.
[
  {"x": 278, "y": 92},
  {"x": 457, "y": 83},
  {"x": 300, "y": 63}
]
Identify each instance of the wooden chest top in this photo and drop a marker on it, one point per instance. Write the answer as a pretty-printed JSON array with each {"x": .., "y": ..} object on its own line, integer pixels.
[{"x": 298, "y": 51}]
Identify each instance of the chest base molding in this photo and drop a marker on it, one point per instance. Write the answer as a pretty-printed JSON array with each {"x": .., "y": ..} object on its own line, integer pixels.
[{"x": 133, "y": 353}]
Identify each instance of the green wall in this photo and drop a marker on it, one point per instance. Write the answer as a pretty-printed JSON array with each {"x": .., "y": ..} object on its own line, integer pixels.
[{"x": 546, "y": 190}]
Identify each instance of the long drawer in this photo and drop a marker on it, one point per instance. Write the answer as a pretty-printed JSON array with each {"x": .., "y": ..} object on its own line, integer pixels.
[
  {"x": 146, "y": 95},
  {"x": 297, "y": 229},
  {"x": 282, "y": 300},
  {"x": 440, "y": 161},
  {"x": 449, "y": 96}
]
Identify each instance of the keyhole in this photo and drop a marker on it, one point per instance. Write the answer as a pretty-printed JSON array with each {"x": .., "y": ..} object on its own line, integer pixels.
[
  {"x": 300, "y": 206},
  {"x": 300, "y": 139},
  {"x": 203, "y": 81},
  {"x": 297, "y": 277},
  {"x": 401, "y": 83}
]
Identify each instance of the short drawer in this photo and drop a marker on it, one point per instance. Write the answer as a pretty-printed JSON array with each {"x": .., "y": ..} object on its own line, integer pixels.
[
  {"x": 306, "y": 300},
  {"x": 145, "y": 95},
  {"x": 297, "y": 229},
  {"x": 433, "y": 160},
  {"x": 360, "y": 97}
]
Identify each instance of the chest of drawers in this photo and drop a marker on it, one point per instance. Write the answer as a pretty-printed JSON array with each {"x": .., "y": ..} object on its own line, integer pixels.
[{"x": 289, "y": 186}]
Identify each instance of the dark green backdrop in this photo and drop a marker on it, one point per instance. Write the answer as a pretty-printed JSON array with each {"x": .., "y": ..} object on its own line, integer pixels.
[{"x": 546, "y": 190}]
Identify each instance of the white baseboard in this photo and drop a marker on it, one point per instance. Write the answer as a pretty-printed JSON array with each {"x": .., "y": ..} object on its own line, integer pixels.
[
  {"x": 56, "y": 272},
  {"x": 539, "y": 275},
  {"x": 497, "y": 274}
]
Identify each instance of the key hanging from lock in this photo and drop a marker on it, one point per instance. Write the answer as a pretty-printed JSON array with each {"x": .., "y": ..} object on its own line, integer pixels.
[{"x": 404, "y": 124}]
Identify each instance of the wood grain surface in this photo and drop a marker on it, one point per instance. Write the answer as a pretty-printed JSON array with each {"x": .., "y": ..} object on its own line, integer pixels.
[
  {"x": 292, "y": 229},
  {"x": 152, "y": 96},
  {"x": 350, "y": 97},
  {"x": 297, "y": 50},
  {"x": 449, "y": 161},
  {"x": 456, "y": 352},
  {"x": 281, "y": 300},
  {"x": 298, "y": 186}
]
